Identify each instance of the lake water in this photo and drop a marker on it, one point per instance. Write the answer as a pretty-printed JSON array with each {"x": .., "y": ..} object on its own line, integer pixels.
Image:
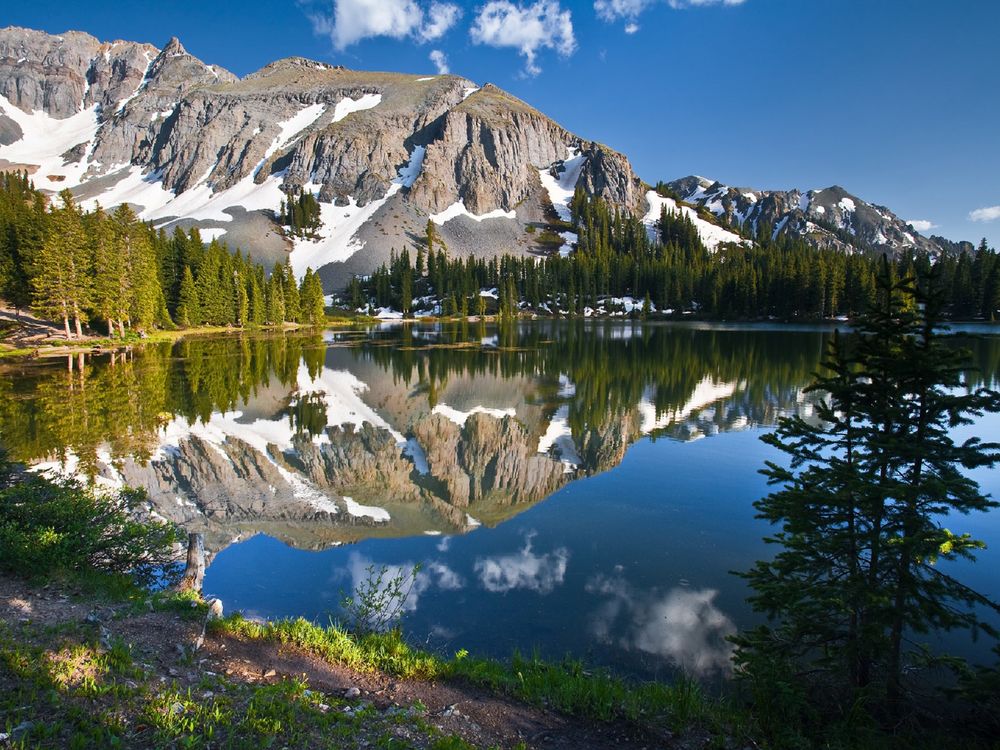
[{"x": 571, "y": 487}]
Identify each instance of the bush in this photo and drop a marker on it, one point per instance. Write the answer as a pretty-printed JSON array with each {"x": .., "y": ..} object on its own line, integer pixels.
[{"x": 49, "y": 527}]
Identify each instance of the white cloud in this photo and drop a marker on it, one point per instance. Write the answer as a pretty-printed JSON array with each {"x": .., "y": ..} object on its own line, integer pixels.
[
  {"x": 527, "y": 28},
  {"x": 612, "y": 10},
  {"x": 440, "y": 18},
  {"x": 630, "y": 10},
  {"x": 440, "y": 60},
  {"x": 922, "y": 225},
  {"x": 990, "y": 213},
  {"x": 354, "y": 20},
  {"x": 523, "y": 570}
]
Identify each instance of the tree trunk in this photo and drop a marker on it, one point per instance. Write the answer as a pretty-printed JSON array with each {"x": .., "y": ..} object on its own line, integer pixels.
[
  {"x": 194, "y": 570},
  {"x": 121, "y": 328},
  {"x": 65, "y": 316}
]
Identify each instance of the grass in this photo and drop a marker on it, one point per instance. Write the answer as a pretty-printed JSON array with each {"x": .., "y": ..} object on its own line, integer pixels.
[
  {"x": 567, "y": 686},
  {"x": 61, "y": 688}
]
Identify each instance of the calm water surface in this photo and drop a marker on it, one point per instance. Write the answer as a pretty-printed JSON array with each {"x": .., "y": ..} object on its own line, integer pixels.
[{"x": 579, "y": 487}]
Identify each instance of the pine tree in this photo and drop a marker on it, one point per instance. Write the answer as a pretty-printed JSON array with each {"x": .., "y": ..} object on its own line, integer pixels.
[
  {"x": 293, "y": 308},
  {"x": 109, "y": 268},
  {"x": 275, "y": 300},
  {"x": 860, "y": 503},
  {"x": 141, "y": 297},
  {"x": 62, "y": 276},
  {"x": 188, "y": 305},
  {"x": 430, "y": 236},
  {"x": 311, "y": 299}
]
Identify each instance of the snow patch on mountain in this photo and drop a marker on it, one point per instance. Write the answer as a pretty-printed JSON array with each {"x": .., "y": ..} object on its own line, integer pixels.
[
  {"x": 711, "y": 235},
  {"x": 336, "y": 238},
  {"x": 461, "y": 417},
  {"x": 45, "y": 139},
  {"x": 562, "y": 187},
  {"x": 707, "y": 392},
  {"x": 559, "y": 436},
  {"x": 458, "y": 208},
  {"x": 349, "y": 106}
]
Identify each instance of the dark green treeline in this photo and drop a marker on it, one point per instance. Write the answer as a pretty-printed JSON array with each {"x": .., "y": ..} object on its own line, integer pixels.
[
  {"x": 111, "y": 269},
  {"x": 781, "y": 277}
]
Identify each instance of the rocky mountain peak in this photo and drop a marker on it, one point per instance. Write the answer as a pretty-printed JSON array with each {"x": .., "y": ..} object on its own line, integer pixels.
[
  {"x": 827, "y": 218},
  {"x": 174, "y": 48}
]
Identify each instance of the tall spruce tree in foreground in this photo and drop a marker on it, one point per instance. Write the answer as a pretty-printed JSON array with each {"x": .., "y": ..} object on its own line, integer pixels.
[{"x": 862, "y": 511}]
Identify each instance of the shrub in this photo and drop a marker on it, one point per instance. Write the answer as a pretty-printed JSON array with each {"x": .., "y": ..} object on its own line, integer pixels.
[{"x": 49, "y": 527}]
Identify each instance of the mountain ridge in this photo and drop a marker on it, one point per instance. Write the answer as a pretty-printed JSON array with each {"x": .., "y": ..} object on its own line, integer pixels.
[
  {"x": 191, "y": 144},
  {"x": 828, "y": 217}
]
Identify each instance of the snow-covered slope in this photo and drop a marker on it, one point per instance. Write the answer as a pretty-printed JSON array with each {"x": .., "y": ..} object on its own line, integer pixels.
[{"x": 712, "y": 235}]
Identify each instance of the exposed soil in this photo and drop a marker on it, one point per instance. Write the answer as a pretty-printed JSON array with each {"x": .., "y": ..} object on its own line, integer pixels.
[{"x": 165, "y": 642}]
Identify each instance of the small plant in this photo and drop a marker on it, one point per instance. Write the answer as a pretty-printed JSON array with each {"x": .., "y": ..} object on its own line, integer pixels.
[
  {"x": 59, "y": 526},
  {"x": 380, "y": 599}
]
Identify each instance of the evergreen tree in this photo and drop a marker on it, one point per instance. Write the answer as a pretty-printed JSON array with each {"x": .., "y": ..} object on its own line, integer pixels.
[
  {"x": 62, "y": 274},
  {"x": 275, "y": 299},
  {"x": 290, "y": 289},
  {"x": 188, "y": 306},
  {"x": 140, "y": 289},
  {"x": 860, "y": 505},
  {"x": 430, "y": 236},
  {"x": 258, "y": 297},
  {"x": 110, "y": 268},
  {"x": 311, "y": 299}
]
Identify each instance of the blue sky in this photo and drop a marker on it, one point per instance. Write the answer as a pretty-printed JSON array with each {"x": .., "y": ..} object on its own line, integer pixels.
[{"x": 896, "y": 100}]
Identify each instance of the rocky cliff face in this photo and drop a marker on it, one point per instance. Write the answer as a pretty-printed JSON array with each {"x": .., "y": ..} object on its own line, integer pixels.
[
  {"x": 829, "y": 218},
  {"x": 190, "y": 143}
]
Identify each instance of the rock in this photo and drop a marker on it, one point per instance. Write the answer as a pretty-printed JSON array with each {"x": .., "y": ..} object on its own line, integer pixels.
[
  {"x": 269, "y": 674},
  {"x": 177, "y": 708},
  {"x": 352, "y": 692},
  {"x": 215, "y": 609}
]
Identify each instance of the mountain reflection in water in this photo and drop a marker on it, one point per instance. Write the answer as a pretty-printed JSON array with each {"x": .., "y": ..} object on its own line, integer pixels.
[{"x": 422, "y": 433}]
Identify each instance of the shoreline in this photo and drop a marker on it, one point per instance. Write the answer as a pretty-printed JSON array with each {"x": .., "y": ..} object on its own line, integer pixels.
[{"x": 171, "y": 672}]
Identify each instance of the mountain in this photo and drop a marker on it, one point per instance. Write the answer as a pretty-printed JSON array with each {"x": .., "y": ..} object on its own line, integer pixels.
[
  {"x": 190, "y": 144},
  {"x": 828, "y": 218}
]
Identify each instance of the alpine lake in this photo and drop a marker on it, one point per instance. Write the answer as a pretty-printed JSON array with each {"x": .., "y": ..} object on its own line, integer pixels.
[{"x": 567, "y": 487}]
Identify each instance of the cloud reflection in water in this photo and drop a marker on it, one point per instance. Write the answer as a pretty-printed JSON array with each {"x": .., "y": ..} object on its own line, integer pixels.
[
  {"x": 434, "y": 574},
  {"x": 682, "y": 625},
  {"x": 523, "y": 570}
]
